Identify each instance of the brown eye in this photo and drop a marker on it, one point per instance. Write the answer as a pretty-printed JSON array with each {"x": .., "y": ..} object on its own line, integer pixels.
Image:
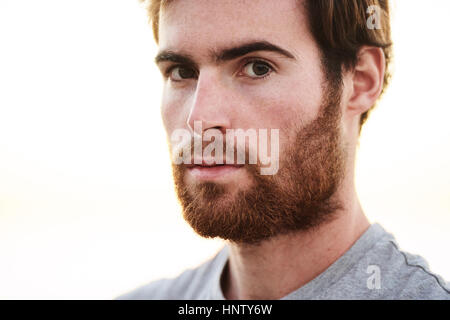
[
  {"x": 257, "y": 69},
  {"x": 181, "y": 73}
]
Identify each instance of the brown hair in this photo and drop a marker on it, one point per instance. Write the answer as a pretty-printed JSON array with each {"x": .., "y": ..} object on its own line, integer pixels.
[{"x": 340, "y": 28}]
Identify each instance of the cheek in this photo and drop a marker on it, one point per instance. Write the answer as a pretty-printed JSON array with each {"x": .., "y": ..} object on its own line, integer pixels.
[
  {"x": 282, "y": 105},
  {"x": 174, "y": 110}
]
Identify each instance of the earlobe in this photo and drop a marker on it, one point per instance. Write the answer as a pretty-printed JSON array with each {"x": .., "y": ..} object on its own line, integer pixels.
[{"x": 367, "y": 79}]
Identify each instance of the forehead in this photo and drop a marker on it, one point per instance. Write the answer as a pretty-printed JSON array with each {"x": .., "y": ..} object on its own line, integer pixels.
[{"x": 205, "y": 24}]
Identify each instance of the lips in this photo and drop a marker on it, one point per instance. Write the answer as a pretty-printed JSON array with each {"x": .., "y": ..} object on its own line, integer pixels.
[
  {"x": 212, "y": 171},
  {"x": 212, "y": 163}
]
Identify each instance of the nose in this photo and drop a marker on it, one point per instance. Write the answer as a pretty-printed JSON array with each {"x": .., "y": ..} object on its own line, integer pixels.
[{"x": 211, "y": 104}]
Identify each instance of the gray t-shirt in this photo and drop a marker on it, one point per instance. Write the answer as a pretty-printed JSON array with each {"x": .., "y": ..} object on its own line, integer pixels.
[{"x": 373, "y": 268}]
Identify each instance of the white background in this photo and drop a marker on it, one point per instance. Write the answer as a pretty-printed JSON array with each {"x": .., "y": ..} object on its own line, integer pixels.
[{"x": 87, "y": 207}]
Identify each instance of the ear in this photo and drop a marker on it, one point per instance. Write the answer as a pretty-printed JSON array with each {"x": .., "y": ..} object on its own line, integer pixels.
[{"x": 366, "y": 80}]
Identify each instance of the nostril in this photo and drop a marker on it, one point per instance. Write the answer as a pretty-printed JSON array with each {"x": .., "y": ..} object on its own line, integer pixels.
[{"x": 219, "y": 128}]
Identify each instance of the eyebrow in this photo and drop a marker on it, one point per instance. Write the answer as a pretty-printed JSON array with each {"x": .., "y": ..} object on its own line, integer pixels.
[{"x": 225, "y": 54}]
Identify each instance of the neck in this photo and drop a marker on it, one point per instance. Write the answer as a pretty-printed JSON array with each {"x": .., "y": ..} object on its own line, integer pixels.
[{"x": 282, "y": 264}]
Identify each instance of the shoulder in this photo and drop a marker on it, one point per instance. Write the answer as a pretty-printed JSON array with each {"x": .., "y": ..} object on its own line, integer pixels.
[
  {"x": 191, "y": 284},
  {"x": 404, "y": 275},
  {"x": 417, "y": 280}
]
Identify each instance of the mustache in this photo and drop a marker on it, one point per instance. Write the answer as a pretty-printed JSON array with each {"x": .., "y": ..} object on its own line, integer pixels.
[
  {"x": 234, "y": 149},
  {"x": 197, "y": 151}
]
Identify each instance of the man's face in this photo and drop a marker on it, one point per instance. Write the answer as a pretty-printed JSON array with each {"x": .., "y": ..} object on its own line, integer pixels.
[{"x": 227, "y": 82}]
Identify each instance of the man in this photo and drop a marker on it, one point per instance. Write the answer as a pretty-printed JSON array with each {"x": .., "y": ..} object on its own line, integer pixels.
[{"x": 308, "y": 71}]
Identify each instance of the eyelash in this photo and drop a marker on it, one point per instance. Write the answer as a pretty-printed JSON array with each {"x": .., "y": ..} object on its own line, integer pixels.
[
  {"x": 171, "y": 68},
  {"x": 263, "y": 62},
  {"x": 246, "y": 63}
]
